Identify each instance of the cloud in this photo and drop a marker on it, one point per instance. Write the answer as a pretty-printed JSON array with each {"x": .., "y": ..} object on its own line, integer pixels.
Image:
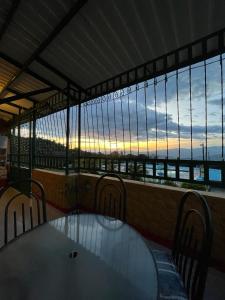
[
  {"x": 133, "y": 121},
  {"x": 136, "y": 124},
  {"x": 217, "y": 102}
]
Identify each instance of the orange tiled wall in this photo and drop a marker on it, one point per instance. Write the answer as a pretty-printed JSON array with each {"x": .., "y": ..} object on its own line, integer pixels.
[
  {"x": 152, "y": 209},
  {"x": 60, "y": 189}
]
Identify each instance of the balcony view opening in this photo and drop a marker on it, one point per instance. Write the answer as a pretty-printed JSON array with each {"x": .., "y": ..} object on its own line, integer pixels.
[{"x": 112, "y": 148}]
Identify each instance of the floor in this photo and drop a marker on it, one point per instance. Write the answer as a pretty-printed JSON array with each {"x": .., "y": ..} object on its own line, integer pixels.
[{"x": 215, "y": 286}]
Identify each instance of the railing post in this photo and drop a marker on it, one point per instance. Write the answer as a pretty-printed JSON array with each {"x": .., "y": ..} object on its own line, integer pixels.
[
  {"x": 79, "y": 132},
  {"x": 18, "y": 137},
  {"x": 33, "y": 149},
  {"x": 67, "y": 128},
  {"x": 30, "y": 147},
  {"x": 223, "y": 173},
  {"x": 11, "y": 139},
  {"x": 14, "y": 140},
  {"x": 78, "y": 153}
]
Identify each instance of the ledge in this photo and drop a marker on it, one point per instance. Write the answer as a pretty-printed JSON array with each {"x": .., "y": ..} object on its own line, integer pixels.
[
  {"x": 163, "y": 187},
  {"x": 60, "y": 173}
]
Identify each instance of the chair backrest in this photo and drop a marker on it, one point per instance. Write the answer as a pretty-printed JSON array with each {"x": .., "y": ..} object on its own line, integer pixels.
[
  {"x": 36, "y": 214},
  {"x": 193, "y": 242},
  {"x": 110, "y": 196}
]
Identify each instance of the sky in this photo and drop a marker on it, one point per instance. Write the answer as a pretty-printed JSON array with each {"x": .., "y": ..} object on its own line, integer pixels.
[{"x": 150, "y": 117}]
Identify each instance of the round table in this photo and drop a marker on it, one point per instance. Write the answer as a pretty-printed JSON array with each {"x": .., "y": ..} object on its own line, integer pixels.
[{"x": 84, "y": 256}]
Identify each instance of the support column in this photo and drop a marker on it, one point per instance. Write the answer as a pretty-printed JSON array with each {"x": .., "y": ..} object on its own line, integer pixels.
[
  {"x": 30, "y": 147},
  {"x": 11, "y": 139},
  {"x": 78, "y": 201},
  {"x": 79, "y": 132},
  {"x": 18, "y": 137},
  {"x": 33, "y": 147},
  {"x": 12, "y": 149},
  {"x": 67, "y": 129}
]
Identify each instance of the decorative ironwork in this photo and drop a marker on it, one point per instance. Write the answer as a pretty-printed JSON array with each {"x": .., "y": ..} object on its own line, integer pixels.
[{"x": 182, "y": 57}]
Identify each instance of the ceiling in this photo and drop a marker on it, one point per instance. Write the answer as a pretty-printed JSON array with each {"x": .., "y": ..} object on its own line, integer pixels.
[{"x": 48, "y": 43}]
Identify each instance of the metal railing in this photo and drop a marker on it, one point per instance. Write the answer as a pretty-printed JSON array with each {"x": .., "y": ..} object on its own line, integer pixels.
[
  {"x": 194, "y": 171},
  {"x": 170, "y": 127}
]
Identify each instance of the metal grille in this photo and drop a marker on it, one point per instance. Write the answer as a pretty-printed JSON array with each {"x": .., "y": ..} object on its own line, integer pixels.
[
  {"x": 52, "y": 144},
  {"x": 21, "y": 152},
  {"x": 25, "y": 143},
  {"x": 21, "y": 136},
  {"x": 14, "y": 146},
  {"x": 171, "y": 116},
  {"x": 51, "y": 141},
  {"x": 169, "y": 127},
  {"x": 73, "y": 139}
]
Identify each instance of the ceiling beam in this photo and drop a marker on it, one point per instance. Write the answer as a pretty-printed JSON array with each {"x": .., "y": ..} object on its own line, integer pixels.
[
  {"x": 7, "y": 112},
  {"x": 24, "y": 95},
  {"x": 69, "y": 16},
  {"x": 12, "y": 11},
  {"x": 16, "y": 106},
  {"x": 28, "y": 71},
  {"x": 53, "y": 69},
  {"x": 72, "y": 12},
  {"x": 13, "y": 8},
  {"x": 19, "y": 93}
]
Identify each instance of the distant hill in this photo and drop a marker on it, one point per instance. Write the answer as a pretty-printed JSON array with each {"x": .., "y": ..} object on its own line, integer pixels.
[
  {"x": 46, "y": 147},
  {"x": 214, "y": 153}
]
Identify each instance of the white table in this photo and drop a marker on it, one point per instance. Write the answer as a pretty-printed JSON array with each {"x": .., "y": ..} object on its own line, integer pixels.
[{"x": 83, "y": 256}]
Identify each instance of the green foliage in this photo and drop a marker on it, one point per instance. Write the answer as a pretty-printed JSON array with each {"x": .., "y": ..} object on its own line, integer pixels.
[
  {"x": 193, "y": 186},
  {"x": 170, "y": 183},
  {"x": 135, "y": 174}
]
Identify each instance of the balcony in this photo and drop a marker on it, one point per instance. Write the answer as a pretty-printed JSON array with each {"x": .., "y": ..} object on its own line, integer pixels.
[{"x": 88, "y": 89}]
